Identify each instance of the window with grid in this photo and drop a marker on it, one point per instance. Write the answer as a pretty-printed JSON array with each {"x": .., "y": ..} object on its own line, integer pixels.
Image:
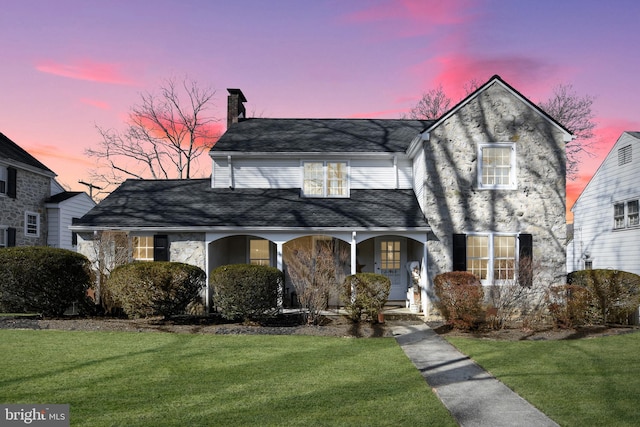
[
  {"x": 143, "y": 248},
  {"x": 633, "y": 217},
  {"x": 390, "y": 255},
  {"x": 497, "y": 166},
  {"x": 618, "y": 215},
  {"x": 259, "y": 252},
  {"x": 3, "y": 237},
  {"x": 32, "y": 224},
  {"x": 3, "y": 180},
  {"x": 504, "y": 257},
  {"x": 478, "y": 256},
  {"x": 624, "y": 155},
  {"x": 325, "y": 179}
]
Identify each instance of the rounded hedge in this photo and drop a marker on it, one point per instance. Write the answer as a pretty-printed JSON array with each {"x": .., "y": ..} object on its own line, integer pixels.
[
  {"x": 459, "y": 299},
  {"x": 245, "y": 291},
  {"x": 42, "y": 280},
  {"x": 615, "y": 294},
  {"x": 145, "y": 289},
  {"x": 364, "y": 295}
]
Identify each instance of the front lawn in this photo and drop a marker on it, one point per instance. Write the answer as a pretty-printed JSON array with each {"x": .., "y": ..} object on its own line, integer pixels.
[
  {"x": 587, "y": 382},
  {"x": 152, "y": 379}
]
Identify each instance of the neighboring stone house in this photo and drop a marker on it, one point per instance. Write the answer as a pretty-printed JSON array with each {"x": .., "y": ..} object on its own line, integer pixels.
[
  {"x": 606, "y": 215},
  {"x": 480, "y": 189},
  {"x": 34, "y": 209}
]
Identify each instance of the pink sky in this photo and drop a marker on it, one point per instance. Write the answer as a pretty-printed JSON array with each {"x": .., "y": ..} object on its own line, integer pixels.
[{"x": 70, "y": 65}]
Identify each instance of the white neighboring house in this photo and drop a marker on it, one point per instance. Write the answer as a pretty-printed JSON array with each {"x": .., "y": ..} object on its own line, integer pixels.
[
  {"x": 63, "y": 207},
  {"x": 606, "y": 224}
]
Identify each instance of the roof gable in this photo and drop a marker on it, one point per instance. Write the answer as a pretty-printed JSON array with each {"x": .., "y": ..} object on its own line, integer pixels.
[
  {"x": 498, "y": 80},
  {"x": 12, "y": 151},
  {"x": 626, "y": 138},
  {"x": 319, "y": 136}
]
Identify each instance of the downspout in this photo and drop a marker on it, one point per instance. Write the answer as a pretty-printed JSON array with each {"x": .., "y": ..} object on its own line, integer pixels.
[
  {"x": 230, "y": 171},
  {"x": 395, "y": 171}
]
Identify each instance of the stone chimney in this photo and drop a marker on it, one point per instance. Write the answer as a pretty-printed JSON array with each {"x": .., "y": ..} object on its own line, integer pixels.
[{"x": 235, "y": 107}]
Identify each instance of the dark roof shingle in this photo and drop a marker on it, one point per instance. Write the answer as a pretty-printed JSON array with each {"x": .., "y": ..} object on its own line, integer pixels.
[
  {"x": 320, "y": 135},
  {"x": 193, "y": 203},
  {"x": 11, "y": 150}
]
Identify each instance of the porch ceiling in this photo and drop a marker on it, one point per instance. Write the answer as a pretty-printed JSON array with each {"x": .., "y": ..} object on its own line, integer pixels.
[{"x": 193, "y": 203}]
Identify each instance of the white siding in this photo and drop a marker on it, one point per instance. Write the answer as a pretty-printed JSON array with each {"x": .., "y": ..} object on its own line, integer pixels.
[
  {"x": 53, "y": 222},
  {"x": 594, "y": 234},
  {"x": 287, "y": 173},
  {"x": 61, "y": 216}
]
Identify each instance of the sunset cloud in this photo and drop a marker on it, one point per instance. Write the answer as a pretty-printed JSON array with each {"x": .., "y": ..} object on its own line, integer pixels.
[
  {"x": 414, "y": 17},
  {"x": 95, "y": 103},
  {"x": 87, "y": 70}
]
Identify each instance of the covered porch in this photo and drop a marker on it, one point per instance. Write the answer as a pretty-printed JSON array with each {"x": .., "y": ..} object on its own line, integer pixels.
[{"x": 398, "y": 254}]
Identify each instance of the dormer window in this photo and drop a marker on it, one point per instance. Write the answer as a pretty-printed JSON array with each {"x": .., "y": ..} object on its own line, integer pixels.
[{"x": 325, "y": 179}]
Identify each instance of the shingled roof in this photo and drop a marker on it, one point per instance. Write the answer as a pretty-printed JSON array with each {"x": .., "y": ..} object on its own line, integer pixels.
[
  {"x": 182, "y": 204},
  {"x": 320, "y": 135},
  {"x": 12, "y": 151}
]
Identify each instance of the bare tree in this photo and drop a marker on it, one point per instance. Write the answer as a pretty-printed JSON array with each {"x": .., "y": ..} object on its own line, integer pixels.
[
  {"x": 432, "y": 105},
  {"x": 576, "y": 114},
  {"x": 163, "y": 138}
]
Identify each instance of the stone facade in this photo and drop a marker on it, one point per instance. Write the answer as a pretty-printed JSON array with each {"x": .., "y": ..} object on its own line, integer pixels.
[
  {"x": 31, "y": 191},
  {"x": 188, "y": 248},
  {"x": 454, "y": 203}
]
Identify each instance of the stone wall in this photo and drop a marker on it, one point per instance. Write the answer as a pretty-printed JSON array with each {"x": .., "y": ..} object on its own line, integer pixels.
[
  {"x": 32, "y": 190},
  {"x": 188, "y": 248},
  {"x": 454, "y": 203}
]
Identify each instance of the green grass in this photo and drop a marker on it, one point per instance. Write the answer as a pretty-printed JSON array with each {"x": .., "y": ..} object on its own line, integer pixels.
[
  {"x": 153, "y": 379},
  {"x": 588, "y": 382}
]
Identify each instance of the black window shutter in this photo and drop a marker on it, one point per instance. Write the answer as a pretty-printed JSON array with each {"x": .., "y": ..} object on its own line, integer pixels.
[
  {"x": 12, "y": 174},
  {"x": 525, "y": 261},
  {"x": 459, "y": 252},
  {"x": 160, "y": 247},
  {"x": 11, "y": 236}
]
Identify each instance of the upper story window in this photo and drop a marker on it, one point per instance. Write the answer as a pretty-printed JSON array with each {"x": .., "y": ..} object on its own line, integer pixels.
[
  {"x": 325, "y": 179},
  {"x": 626, "y": 214},
  {"x": 624, "y": 155},
  {"x": 3, "y": 180},
  {"x": 497, "y": 166},
  {"x": 32, "y": 224}
]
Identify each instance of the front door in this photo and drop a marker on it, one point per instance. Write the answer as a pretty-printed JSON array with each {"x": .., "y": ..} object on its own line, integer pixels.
[{"x": 391, "y": 256}]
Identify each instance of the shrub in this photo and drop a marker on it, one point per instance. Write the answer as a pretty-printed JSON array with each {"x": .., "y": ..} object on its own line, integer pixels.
[
  {"x": 43, "y": 280},
  {"x": 365, "y": 294},
  {"x": 616, "y": 294},
  {"x": 460, "y": 297},
  {"x": 145, "y": 289},
  {"x": 247, "y": 292},
  {"x": 570, "y": 305}
]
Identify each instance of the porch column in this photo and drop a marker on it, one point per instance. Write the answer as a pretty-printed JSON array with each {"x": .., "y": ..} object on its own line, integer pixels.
[
  {"x": 207, "y": 290},
  {"x": 424, "y": 280},
  {"x": 354, "y": 263}
]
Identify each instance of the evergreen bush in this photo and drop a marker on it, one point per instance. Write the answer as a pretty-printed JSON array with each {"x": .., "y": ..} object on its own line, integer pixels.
[
  {"x": 364, "y": 295},
  {"x": 43, "y": 280},
  {"x": 247, "y": 292},
  {"x": 163, "y": 288},
  {"x": 615, "y": 294}
]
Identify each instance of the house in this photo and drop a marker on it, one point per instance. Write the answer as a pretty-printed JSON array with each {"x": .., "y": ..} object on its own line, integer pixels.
[
  {"x": 479, "y": 189},
  {"x": 34, "y": 208},
  {"x": 606, "y": 215}
]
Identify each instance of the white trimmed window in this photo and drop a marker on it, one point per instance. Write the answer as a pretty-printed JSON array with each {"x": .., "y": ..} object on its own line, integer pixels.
[
  {"x": 143, "y": 248},
  {"x": 325, "y": 179},
  {"x": 626, "y": 214},
  {"x": 259, "y": 253},
  {"x": 3, "y": 237},
  {"x": 3, "y": 180},
  {"x": 497, "y": 166},
  {"x": 32, "y": 224},
  {"x": 492, "y": 258}
]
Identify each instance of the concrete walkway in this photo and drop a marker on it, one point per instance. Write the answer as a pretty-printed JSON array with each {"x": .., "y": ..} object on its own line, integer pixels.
[{"x": 472, "y": 395}]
